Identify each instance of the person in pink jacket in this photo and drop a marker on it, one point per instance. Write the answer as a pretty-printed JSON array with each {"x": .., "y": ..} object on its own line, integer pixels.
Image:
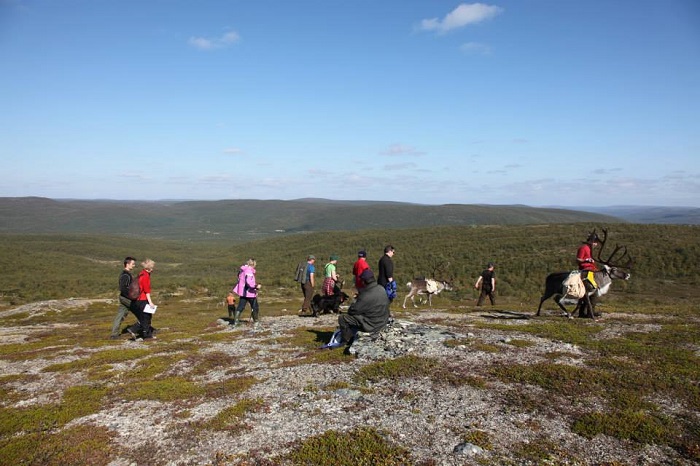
[{"x": 247, "y": 289}]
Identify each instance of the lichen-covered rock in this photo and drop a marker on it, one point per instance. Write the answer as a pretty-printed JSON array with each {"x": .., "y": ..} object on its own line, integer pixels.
[{"x": 399, "y": 338}]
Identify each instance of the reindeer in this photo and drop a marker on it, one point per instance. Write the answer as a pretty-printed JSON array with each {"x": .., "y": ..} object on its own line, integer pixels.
[
  {"x": 427, "y": 286},
  {"x": 554, "y": 284}
]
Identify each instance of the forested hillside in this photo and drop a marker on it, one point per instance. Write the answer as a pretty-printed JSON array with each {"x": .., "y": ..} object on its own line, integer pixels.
[
  {"x": 56, "y": 266},
  {"x": 245, "y": 220}
]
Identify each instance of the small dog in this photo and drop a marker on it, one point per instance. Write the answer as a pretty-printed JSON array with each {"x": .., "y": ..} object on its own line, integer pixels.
[{"x": 326, "y": 304}]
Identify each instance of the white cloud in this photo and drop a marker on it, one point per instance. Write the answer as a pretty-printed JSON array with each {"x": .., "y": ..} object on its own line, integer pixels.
[
  {"x": 400, "y": 149},
  {"x": 204, "y": 43},
  {"x": 475, "y": 48},
  {"x": 464, "y": 15},
  {"x": 606, "y": 171},
  {"x": 230, "y": 38},
  {"x": 233, "y": 151}
]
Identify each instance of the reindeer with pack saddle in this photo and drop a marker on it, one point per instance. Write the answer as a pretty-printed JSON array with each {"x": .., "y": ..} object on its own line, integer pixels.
[
  {"x": 567, "y": 287},
  {"x": 428, "y": 286}
]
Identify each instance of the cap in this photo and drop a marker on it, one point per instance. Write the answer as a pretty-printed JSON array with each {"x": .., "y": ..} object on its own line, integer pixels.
[
  {"x": 362, "y": 253},
  {"x": 311, "y": 257},
  {"x": 334, "y": 257},
  {"x": 367, "y": 275}
]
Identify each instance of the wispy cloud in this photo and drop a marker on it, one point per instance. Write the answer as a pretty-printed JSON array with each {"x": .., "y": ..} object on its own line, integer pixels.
[
  {"x": 606, "y": 171},
  {"x": 215, "y": 179},
  {"x": 400, "y": 149},
  {"x": 320, "y": 172},
  {"x": 233, "y": 151},
  {"x": 205, "y": 43},
  {"x": 464, "y": 15},
  {"x": 475, "y": 48},
  {"x": 134, "y": 176}
]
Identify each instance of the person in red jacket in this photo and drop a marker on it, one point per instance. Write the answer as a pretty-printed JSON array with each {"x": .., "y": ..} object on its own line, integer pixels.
[
  {"x": 360, "y": 266},
  {"x": 138, "y": 307},
  {"x": 586, "y": 263}
]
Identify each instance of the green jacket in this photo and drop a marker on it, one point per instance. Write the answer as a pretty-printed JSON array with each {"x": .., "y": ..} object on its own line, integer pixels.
[{"x": 371, "y": 308}]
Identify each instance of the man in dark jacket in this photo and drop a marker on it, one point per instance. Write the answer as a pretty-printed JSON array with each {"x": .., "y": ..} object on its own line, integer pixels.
[
  {"x": 369, "y": 313},
  {"x": 385, "y": 274},
  {"x": 124, "y": 302},
  {"x": 487, "y": 282}
]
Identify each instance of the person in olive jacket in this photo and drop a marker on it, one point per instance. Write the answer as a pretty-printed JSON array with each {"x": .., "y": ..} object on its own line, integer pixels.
[{"x": 369, "y": 313}]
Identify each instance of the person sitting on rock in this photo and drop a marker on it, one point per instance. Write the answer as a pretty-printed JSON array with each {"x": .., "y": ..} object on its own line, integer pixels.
[{"x": 370, "y": 311}]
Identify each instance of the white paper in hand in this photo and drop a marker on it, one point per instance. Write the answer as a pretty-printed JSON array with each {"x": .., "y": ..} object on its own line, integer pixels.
[{"x": 150, "y": 309}]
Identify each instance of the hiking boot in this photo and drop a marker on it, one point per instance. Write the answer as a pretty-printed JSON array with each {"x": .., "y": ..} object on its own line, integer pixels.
[{"x": 131, "y": 332}]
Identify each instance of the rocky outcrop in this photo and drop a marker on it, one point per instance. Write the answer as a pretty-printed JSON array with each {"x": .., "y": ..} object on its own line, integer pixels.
[{"x": 399, "y": 338}]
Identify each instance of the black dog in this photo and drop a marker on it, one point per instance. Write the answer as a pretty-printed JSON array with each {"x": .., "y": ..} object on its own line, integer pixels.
[{"x": 325, "y": 304}]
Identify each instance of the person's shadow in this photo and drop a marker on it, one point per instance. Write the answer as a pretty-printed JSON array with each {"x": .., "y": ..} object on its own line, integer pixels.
[{"x": 322, "y": 337}]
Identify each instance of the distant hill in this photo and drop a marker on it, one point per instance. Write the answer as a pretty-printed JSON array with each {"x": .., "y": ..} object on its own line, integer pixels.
[
  {"x": 243, "y": 220},
  {"x": 650, "y": 214}
]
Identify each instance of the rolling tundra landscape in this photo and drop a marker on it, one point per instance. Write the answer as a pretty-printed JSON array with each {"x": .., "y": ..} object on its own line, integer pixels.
[
  {"x": 448, "y": 385},
  {"x": 471, "y": 137}
]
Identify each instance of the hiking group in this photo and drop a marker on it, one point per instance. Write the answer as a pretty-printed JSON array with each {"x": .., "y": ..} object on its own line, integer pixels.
[{"x": 368, "y": 311}]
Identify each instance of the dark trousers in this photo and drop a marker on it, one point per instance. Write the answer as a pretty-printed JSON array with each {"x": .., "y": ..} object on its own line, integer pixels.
[
  {"x": 349, "y": 326},
  {"x": 482, "y": 296},
  {"x": 308, "y": 292},
  {"x": 253, "y": 306},
  {"x": 143, "y": 326}
]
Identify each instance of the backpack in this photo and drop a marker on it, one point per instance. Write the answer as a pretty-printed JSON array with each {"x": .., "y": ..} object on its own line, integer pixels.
[
  {"x": 300, "y": 274},
  {"x": 133, "y": 290}
]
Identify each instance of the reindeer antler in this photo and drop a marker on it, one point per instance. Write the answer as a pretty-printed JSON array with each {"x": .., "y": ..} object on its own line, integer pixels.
[
  {"x": 439, "y": 268},
  {"x": 617, "y": 261}
]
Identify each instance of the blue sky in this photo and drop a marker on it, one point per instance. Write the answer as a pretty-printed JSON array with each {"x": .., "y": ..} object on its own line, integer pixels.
[{"x": 537, "y": 102}]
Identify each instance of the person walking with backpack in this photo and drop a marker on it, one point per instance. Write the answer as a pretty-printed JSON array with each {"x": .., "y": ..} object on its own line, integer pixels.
[
  {"x": 125, "y": 279},
  {"x": 308, "y": 282},
  {"x": 247, "y": 290},
  {"x": 143, "y": 327}
]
